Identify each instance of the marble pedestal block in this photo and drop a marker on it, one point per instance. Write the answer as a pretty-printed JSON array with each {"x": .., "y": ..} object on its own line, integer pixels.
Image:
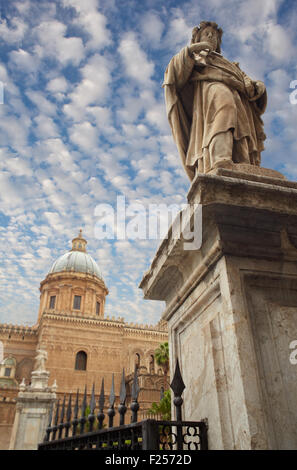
[
  {"x": 32, "y": 412},
  {"x": 231, "y": 308}
]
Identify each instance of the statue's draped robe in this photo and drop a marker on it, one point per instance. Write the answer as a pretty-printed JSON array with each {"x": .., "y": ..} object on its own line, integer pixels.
[{"x": 198, "y": 109}]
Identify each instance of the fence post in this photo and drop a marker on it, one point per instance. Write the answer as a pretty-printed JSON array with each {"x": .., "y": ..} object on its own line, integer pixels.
[
  {"x": 150, "y": 435},
  {"x": 91, "y": 417},
  {"x": 101, "y": 414},
  {"x": 110, "y": 410},
  {"x": 68, "y": 417},
  {"x": 135, "y": 392},
  {"x": 122, "y": 406},
  {"x": 203, "y": 435}
]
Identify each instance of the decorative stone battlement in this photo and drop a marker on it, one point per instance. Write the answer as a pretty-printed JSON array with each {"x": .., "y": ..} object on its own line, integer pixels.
[
  {"x": 18, "y": 329},
  {"x": 107, "y": 321}
]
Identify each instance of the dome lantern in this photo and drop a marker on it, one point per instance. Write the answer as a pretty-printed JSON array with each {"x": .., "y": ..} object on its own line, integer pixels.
[
  {"x": 79, "y": 243},
  {"x": 77, "y": 259}
]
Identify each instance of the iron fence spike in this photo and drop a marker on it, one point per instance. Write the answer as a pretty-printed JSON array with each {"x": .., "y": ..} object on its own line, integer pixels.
[
  {"x": 123, "y": 392},
  {"x": 112, "y": 393},
  {"x": 101, "y": 398},
  {"x": 57, "y": 413},
  {"x": 76, "y": 405},
  {"x": 63, "y": 410},
  {"x": 68, "y": 413},
  {"x": 177, "y": 385},
  {"x": 84, "y": 403},
  {"x": 92, "y": 402},
  {"x": 50, "y": 415}
]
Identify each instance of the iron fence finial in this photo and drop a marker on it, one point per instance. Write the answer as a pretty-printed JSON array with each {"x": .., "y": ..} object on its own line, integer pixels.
[
  {"x": 123, "y": 395},
  {"x": 110, "y": 410},
  {"x": 91, "y": 417},
  {"x": 101, "y": 414},
  {"x": 177, "y": 385}
]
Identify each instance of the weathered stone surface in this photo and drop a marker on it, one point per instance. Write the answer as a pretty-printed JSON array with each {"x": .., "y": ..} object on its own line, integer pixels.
[
  {"x": 32, "y": 412},
  {"x": 213, "y": 107},
  {"x": 232, "y": 320}
]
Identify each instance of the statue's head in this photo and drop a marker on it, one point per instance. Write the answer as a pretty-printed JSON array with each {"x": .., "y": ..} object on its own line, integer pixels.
[{"x": 208, "y": 31}]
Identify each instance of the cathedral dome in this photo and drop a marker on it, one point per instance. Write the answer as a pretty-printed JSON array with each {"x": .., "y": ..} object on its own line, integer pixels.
[{"x": 77, "y": 260}]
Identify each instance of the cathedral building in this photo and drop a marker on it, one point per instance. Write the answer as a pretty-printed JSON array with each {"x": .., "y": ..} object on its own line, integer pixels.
[{"x": 83, "y": 345}]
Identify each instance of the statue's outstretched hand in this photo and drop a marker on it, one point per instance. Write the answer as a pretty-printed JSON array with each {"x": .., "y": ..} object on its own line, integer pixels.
[
  {"x": 199, "y": 46},
  {"x": 260, "y": 88}
]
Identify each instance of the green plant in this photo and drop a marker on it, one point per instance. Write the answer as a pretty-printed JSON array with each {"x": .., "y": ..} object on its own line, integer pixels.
[
  {"x": 163, "y": 408},
  {"x": 162, "y": 359}
]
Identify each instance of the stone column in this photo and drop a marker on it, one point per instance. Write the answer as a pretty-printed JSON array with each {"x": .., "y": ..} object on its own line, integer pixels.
[
  {"x": 32, "y": 412},
  {"x": 231, "y": 308}
]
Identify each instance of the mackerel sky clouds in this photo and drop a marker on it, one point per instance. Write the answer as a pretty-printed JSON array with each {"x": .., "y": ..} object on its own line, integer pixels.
[{"x": 83, "y": 121}]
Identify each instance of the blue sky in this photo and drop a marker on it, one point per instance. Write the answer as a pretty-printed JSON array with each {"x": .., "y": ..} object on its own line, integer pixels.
[{"x": 83, "y": 121}]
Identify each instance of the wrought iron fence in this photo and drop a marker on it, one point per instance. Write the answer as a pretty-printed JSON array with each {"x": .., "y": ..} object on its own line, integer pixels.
[{"x": 87, "y": 431}]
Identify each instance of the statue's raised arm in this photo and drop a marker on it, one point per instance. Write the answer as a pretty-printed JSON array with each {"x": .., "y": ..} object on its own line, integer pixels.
[{"x": 213, "y": 107}]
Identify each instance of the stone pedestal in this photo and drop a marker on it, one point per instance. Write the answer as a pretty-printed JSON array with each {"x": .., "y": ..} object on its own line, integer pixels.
[
  {"x": 231, "y": 308},
  {"x": 32, "y": 412}
]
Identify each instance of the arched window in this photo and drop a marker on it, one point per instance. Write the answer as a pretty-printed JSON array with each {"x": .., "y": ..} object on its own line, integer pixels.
[
  {"x": 81, "y": 361},
  {"x": 152, "y": 364},
  {"x": 137, "y": 360}
]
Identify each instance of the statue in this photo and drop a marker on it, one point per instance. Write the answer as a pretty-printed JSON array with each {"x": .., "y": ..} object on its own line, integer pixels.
[
  {"x": 40, "y": 360},
  {"x": 213, "y": 107}
]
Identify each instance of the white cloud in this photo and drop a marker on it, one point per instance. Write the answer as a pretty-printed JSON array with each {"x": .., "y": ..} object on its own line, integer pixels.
[
  {"x": 179, "y": 33},
  {"x": 15, "y": 33},
  {"x": 84, "y": 135},
  {"x": 93, "y": 88},
  {"x": 14, "y": 131},
  {"x": 53, "y": 43},
  {"x": 156, "y": 115},
  {"x": 151, "y": 29},
  {"x": 92, "y": 21},
  {"x": 136, "y": 64},
  {"x": 16, "y": 166},
  {"x": 23, "y": 61},
  {"x": 278, "y": 42},
  {"x": 58, "y": 84},
  {"x": 103, "y": 119},
  {"x": 44, "y": 105},
  {"x": 45, "y": 127}
]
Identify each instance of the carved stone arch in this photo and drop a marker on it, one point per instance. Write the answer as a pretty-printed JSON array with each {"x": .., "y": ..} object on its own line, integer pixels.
[
  {"x": 160, "y": 383},
  {"x": 81, "y": 360},
  {"x": 151, "y": 363},
  {"x": 81, "y": 348},
  {"x": 24, "y": 369},
  {"x": 137, "y": 358},
  {"x": 148, "y": 383}
]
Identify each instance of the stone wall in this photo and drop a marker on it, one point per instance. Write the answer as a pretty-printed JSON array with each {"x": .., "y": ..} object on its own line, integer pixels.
[{"x": 7, "y": 414}]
